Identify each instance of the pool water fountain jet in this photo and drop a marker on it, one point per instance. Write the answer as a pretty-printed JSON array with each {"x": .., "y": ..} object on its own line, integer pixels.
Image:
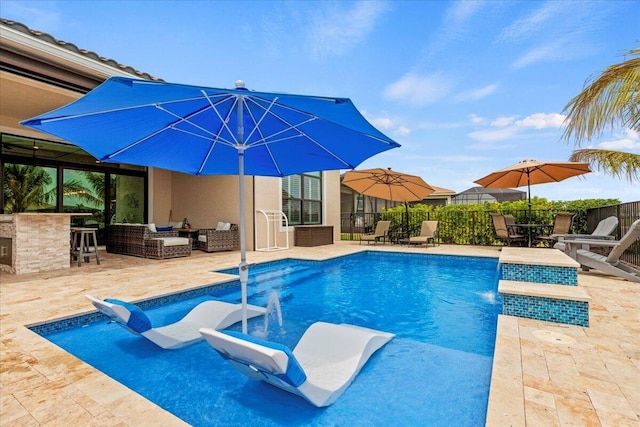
[{"x": 273, "y": 306}]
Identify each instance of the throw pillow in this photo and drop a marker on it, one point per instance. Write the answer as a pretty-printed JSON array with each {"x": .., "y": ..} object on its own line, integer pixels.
[
  {"x": 167, "y": 228},
  {"x": 220, "y": 226},
  {"x": 152, "y": 228}
]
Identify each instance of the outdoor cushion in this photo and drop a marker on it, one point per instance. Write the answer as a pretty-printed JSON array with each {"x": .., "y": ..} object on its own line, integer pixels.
[
  {"x": 137, "y": 321},
  {"x": 167, "y": 228},
  {"x": 152, "y": 228},
  {"x": 173, "y": 241}
]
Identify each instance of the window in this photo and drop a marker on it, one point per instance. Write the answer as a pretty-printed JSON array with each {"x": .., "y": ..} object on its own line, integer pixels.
[
  {"x": 302, "y": 198},
  {"x": 45, "y": 176},
  {"x": 28, "y": 188}
]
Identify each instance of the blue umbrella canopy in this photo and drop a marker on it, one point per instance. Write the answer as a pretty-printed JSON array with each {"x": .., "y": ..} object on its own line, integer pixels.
[
  {"x": 197, "y": 130},
  {"x": 210, "y": 131}
]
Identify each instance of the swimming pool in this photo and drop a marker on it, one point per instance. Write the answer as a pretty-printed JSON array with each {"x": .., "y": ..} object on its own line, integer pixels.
[{"x": 436, "y": 371}]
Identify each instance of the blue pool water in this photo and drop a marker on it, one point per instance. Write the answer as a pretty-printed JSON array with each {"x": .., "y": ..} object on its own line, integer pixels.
[{"x": 436, "y": 372}]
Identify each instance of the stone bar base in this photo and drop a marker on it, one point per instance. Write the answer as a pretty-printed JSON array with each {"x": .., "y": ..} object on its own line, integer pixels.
[{"x": 34, "y": 242}]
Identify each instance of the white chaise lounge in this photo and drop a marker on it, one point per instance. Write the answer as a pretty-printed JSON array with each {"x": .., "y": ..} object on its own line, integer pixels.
[
  {"x": 208, "y": 314},
  {"x": 603, "y": 230},
  {"x": 320, "y": 368},
  {"x": 610, "y": 264}
]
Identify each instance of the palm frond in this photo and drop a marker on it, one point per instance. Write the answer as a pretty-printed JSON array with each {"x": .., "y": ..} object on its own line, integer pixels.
[
  {"x": 615, "y": 163},
  {"x": 610, "y": 100}
]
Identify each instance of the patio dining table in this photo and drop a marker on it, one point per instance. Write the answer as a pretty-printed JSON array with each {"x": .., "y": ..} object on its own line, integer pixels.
[{"x": 533, "y": 230}]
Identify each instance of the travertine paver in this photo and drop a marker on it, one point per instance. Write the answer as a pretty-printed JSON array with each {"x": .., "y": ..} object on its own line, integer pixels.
[{"x": 593, "y": 380}]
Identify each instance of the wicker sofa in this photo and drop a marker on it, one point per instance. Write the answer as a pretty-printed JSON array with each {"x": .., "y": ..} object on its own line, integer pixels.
[
  {"x": 213, "y": 240},
  {"x": 139, "y": 240}
]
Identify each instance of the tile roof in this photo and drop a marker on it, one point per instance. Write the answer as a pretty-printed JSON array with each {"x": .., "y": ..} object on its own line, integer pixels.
[{"x": 73, "y": 48}]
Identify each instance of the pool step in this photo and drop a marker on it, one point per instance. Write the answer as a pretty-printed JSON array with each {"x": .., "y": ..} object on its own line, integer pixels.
[
  {"x": 542, "y": 284},
  {"x": 543, "y": 301},
  {"x": 262, "y": 285},
  {"x": 539, "y": 265}
]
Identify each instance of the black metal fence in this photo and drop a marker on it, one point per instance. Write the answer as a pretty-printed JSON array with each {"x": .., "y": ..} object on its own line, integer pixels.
[
  {"x": 466, "y": 227},
  {"x": 626, "y": 213}
]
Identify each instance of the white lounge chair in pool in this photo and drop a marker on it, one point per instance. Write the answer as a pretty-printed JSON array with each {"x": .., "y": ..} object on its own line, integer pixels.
[
  {"x": 603, "y": 230},
  {"x": 320, "y": 368},
  {"x": 610, "y": 264},
  {"x": 208, "y": 314}
]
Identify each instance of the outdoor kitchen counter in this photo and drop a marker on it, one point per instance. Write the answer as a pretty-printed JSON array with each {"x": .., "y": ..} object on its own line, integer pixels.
[{"x": 32, "y": 242}]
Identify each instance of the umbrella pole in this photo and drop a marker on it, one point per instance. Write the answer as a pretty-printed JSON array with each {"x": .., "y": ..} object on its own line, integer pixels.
[
  {"x": 406, "y": 210},
  {"x": 529, "y": 197},
  {"x": 243, "y": 268}
]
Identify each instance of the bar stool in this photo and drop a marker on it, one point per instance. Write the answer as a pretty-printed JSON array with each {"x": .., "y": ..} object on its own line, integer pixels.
[{"x": 84, "y": 244}]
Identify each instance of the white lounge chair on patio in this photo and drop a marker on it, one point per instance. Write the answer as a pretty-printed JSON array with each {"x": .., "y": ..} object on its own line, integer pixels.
[
  {"x": 208, "y": 314},
  {"x": 320, "y": 368},
  {"x": 610, "y": 264},
  {"x": 603, "y": 230}
]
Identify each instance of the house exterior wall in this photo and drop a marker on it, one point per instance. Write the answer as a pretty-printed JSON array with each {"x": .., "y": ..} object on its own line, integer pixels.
[
  {"x": 331, "y": 208},
  {"x": 160, "y": 200},
  {"x": 203, "y": 200}
]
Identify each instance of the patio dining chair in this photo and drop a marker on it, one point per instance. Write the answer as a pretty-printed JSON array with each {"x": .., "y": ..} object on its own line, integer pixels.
[
  {"x": 504, "y": 232},
  {"x": 561, "y": 226}
]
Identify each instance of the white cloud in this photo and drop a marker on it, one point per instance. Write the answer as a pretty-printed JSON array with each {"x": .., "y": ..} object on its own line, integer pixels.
[
  {"x": 542, "y": 121},
  {"x": 493, "y": 134},
  {"x": 476, "y": 118},
  {"x": 507, "y": 127},
  {"x": 489, "y": 146},
  {"x": 476, "y": 94},
  {"x": 455, "y": 24},
  {"x": 555, "y": 31},
  {"x": 382, "y": 123},
  {"x": 555, "y": 50},
  {"x": 628, "y": 141},
  {"x": 337, "y": 30},
  {"x": 460, "y": 159},
  {"x": 403, "y": 130},
  {"x": 533, "y": 23},
  {"x": 387, "y": 124},
  {"x": 503, "y": 121},
  {"x": 418, "y": 90}
]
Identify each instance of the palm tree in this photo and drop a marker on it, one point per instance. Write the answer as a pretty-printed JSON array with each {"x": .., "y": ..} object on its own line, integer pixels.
[
  {"x": 25, "y": 187},
  {"x": 612, "y": 100}
]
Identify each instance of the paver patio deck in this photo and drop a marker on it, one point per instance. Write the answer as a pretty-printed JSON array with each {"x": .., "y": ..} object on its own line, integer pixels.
[{"x": 544, "y": 374}]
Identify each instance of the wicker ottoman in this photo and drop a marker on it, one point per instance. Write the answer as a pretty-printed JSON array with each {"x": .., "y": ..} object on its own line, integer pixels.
[{"x": 167, "y": 247}]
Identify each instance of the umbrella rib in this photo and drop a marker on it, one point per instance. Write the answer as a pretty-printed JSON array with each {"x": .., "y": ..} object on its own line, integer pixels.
[
  {"x": 186, "y": 120},
  {"x": 217, "y": 136},
  {"x": 224, "y": 121},
  {"x": 170, "y": 126},
  {"x": 256, "y": 128},
  {"x": 304, "y": 134},
  {"x": 269, "y": 139}
]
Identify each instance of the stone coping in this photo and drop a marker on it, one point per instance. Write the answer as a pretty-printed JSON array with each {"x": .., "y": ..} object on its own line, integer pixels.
[
  {"x": 572, "y": 293},
  {"x": 537, "y": 256}
]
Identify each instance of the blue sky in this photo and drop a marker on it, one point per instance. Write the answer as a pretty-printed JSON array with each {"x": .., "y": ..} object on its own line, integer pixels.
[{"x": 465, "y": 87}]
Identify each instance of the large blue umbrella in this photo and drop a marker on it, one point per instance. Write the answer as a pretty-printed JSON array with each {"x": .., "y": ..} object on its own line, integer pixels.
[{"x": 208, "y": 131}]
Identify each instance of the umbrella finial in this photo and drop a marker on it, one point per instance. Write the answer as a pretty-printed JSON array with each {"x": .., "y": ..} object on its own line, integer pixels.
[{"x": 240, "y": 84}]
